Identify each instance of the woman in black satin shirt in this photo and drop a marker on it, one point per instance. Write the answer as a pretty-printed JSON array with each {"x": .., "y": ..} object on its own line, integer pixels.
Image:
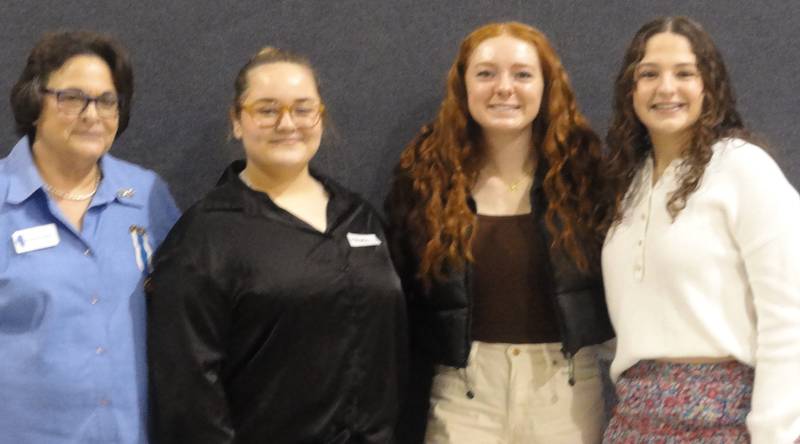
[{"x": 274, "y": 312}]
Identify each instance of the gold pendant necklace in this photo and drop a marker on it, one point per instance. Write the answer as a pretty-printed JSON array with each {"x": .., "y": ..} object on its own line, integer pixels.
[{"x": 514, "y": 186}]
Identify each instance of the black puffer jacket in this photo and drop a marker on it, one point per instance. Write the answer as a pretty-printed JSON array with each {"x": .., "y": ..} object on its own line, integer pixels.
[{"x": 440, "y": 318}]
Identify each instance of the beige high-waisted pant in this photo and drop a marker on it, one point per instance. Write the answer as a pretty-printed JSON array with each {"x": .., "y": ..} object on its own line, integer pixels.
[{"x": 520, "y": 395}]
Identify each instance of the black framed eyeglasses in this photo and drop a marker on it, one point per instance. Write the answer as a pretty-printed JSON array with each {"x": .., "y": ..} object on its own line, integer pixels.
[{"x": 73, "y": 102}]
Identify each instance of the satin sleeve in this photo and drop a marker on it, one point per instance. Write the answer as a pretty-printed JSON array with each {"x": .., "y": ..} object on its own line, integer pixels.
[{"x": 188, "y": 327}]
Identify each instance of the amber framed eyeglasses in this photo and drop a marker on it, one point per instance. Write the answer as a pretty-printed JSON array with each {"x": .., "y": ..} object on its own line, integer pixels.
[{"x": 268, "y": 113}]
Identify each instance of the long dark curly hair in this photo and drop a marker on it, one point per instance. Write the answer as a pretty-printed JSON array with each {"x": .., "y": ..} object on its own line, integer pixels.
[
  {"x": 428, "y": 204},
  {"x": 628, "y": 141}
]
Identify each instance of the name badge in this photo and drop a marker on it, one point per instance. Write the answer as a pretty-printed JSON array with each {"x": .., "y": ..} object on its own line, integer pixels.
[
  {"x": 35, "y": 238},
  {"x": 358, "y": 240}
]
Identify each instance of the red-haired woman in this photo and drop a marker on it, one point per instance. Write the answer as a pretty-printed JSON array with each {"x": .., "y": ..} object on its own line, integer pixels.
[
  {"x": 497, "y": 218},
  {"x": 702, "y": 269}
]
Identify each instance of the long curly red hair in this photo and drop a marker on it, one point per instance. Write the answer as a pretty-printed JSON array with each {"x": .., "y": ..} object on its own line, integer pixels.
[{"x": 428, "y": 204}]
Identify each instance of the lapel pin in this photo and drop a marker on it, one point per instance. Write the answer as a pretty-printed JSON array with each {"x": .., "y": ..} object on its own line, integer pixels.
[{"x": 126, "y": 193}]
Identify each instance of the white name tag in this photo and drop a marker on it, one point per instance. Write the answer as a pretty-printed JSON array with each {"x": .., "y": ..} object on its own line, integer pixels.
[
  {"x": 35, "y": 238},
  {"x": 357, "y": 240}
]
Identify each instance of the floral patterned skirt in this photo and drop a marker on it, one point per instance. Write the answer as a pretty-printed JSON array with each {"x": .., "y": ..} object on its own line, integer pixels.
[{"x": 674, "y": 403}]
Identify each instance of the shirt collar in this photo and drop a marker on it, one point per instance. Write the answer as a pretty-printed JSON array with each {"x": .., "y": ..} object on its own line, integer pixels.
[
  {"x": 667, "y": 176},
  {"x": 231, "y": 194},
  {"x": 116, "y": 185},
  {"x": 24, "y": 179},
  {"x": 647, "y": 168}
]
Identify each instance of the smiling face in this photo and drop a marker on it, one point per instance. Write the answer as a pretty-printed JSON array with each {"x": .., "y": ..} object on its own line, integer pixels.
[
  {"x": 283, "y": 146},
  {"x": 668, "y": 93},
  {"x": 86, "y": 136},
  {"x": 504, "y": 84}
]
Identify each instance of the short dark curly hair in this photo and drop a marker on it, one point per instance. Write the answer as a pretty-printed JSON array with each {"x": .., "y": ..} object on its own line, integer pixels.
[{"x": 48, "y": 55}]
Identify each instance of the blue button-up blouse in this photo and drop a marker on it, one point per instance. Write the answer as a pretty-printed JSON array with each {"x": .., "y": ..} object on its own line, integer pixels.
[{"x": 72, "y": 315}]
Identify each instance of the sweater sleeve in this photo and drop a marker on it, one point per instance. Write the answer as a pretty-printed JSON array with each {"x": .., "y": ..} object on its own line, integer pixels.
[
  {"x": 188, "y": 320},
  {"x": 766, "y": 227}
]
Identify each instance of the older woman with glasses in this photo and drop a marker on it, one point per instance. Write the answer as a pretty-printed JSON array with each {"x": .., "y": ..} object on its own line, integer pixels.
[
  {"x": 275, "y": 312},
  {"x": 77, "y": 227}
]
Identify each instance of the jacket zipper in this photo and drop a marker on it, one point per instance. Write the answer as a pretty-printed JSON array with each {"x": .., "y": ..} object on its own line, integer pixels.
[{"x": 470, "y": 394}]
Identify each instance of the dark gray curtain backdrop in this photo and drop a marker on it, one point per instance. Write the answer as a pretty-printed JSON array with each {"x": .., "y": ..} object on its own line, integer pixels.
[{"x": 382, "y": 66}]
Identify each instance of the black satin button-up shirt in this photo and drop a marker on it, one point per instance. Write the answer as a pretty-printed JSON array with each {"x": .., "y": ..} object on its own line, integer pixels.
[{"x": 264, "y": 330}]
